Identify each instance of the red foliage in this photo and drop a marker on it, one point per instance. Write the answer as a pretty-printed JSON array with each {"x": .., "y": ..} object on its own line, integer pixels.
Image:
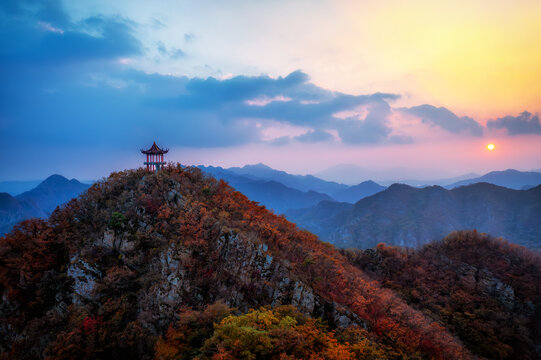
[
  {"x": 158, "y": 229},
  {"x": 90, "y": 324},
  {"x": 481, "y": 288}
]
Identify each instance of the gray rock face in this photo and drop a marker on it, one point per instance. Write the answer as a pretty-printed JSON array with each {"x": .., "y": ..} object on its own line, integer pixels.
[
  {"x": 85, "y": 277},
  {"x": 248, "y": 276},
  {"x": 484, "y": 281},
  {"x": 493, "y": 286}
]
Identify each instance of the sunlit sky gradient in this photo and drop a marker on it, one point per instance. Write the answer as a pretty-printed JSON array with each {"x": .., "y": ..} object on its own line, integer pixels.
[{"x": 422, "y": 86}]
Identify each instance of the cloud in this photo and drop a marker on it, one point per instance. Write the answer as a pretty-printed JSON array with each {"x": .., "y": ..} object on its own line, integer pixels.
[
  {"x": 401, "y": 139},
  {"x": 40, "y": 32},
  {"x": 173, "y": 53},
  {"x": 525, "y": 123},
  {"x": 292, "y": 100},
  {"x": 314, "y": 136},
  {"x": 445, "y": 119},
  {"x": 82, "y": 91},
  {"x": 281, "y": 141},
  {"x": 373, "y": 128}
]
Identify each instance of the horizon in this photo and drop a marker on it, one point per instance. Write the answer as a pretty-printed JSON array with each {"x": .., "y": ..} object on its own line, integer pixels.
[
  {"x": 417, "y": 90},
  {"x": 386, "y": 181}
]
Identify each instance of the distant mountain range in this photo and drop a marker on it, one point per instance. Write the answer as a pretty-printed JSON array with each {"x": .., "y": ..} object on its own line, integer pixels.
[
  {"x": 357, "y": 192},
  {"x": 38, "y": 202},
  {"x": 299, "y": 182},
  {"x": 510, "y": 178},
  {"x": 513, "y": 179},
  {"x": 274, "y": 195},
  {"x": 354, "y": 174},
  {"x": 321, "y": 206},
  {"x": 407, "y": 216},
  {"x": 280, "y": 191},
  {"x": 18, "y": 187}
]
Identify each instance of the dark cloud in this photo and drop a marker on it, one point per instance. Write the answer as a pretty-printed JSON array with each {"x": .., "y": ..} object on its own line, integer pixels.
[
  {"x": 40, "y": 32},
  {"x": 446, "y": 119},
  {"x": 49, "y": 11},
  {"x": 525, "y": 123}
]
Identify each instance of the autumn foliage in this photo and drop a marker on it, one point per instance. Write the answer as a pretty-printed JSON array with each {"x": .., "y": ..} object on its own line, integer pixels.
[
  {"x": 135, "y": 266},
  {"x": 279, "y": 333},
  {"x": 485, "y": 290}
]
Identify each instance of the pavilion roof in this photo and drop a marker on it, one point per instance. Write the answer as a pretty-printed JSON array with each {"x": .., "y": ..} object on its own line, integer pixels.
[{"x": 154, "y": 150}]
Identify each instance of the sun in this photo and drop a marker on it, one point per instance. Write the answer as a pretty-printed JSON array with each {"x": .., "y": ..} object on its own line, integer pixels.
[{"x": 491, "y": 146}]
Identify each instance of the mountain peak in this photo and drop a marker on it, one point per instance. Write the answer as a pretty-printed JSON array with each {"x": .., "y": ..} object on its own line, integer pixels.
[
  {"x": 56, "y": 182},
  {"x": 55, "y": 179},
  {"x": 126, "y": 257},
  {"x": 400, "y": 187},
  {"x": 259, "y": 166},
  {"x": 509, "y": 178}
]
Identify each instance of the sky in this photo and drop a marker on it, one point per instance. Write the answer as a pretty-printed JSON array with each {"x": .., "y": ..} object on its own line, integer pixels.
[{"x": 416, "y": 87}]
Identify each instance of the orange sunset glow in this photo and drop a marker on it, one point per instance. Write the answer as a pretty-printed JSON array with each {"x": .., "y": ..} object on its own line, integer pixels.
[{"x": 356, "y": 82}]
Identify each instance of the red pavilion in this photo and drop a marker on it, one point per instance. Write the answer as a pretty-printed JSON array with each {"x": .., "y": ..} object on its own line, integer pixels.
[{"x": 154, "y": 157}]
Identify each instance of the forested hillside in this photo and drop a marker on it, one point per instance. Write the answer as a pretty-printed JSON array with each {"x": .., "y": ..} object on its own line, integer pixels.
[
  {"x": 178, "y": 265},
  {"x": 485, "y": 290},
  {"x": 406, "y": 216},
  {"x": 109, "y": 273}
]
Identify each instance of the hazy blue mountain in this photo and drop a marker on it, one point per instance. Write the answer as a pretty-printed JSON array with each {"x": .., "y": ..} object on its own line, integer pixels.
[
  {"x": 510, "y": 178},
  {"x": 12, "y": 211},
  {"x": 430, "y": 182},
  {"x": 345, "y": 173},
  {"x": 38, "y": 202},
  {"x": 53, "y": 191},
  {"x": 407, "y": 216},
  {"x": 16, "y": 187},
  {"x": 273, "y": 194},
  {"x": 354, "y": 174},
  {"x": 319, "y": 218},
  {"x": 357, "y": 192},
  {"x": 299, "y": 182}
]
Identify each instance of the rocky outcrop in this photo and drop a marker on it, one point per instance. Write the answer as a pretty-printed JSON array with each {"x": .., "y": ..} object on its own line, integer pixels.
[{"x": 483, "y": 281}]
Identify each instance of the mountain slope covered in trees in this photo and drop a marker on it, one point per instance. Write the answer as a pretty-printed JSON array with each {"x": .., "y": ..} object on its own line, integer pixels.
[
  {"x": 178, "y": 265},
  {"x": 487, "y": 291},
  {"x": 114, "y": 273},
  {"x": 406, "y": 216}
]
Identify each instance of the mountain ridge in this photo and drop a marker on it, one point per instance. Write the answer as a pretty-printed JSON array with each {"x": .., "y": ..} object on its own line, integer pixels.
[
  {"x": 509, "y": 178},
  {"x": 408, "y": 216},
  {"x": 169, "y": 265},
  {"x": 120, "y": 260}
]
